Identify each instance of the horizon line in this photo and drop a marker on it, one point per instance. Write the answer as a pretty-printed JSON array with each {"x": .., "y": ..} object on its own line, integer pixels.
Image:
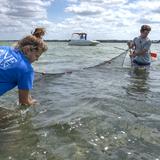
[{"x": 67, "y": 40}]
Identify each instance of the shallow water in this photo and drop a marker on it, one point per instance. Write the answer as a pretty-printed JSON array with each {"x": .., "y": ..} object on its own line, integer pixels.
[{"x": 103, "y": 112}]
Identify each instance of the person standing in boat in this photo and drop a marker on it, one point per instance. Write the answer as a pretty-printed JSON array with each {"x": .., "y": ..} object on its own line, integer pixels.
[
  {"x": 16, "y": 68},
  {"x": 140, "y": 47}
]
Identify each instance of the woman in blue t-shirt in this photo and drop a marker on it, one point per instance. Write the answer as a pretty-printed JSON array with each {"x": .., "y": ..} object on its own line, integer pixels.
[{"x": 16, "y": 68}]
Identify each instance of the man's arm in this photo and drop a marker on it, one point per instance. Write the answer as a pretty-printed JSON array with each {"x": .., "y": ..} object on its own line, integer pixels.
[
  {"x": 142, "y": 52},
  {"x": 130, "y": 44},
  {"x": 131, "y": 47},
  {"x": 25, "y": 97}
]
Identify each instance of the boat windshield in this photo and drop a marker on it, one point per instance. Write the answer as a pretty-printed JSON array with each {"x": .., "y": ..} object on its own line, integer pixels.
[{"x": 79, "y": 36}]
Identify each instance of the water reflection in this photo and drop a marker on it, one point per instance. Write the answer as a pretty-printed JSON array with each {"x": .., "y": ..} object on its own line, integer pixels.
[
  {"x": 18, "y": 139},
  {"x": 138, "y": 86}
]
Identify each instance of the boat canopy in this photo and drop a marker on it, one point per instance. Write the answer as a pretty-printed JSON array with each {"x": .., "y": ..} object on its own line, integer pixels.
[{"x": 81, "y": 35}]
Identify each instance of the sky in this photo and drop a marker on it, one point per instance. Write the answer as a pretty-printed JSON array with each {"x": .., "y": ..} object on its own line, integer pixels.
[{"x": 100, "y": 19}]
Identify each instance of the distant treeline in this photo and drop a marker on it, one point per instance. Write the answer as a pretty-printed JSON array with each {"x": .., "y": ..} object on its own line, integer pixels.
[
  {"x": 123, "y": 41},
  {"x": 103, "y": 41}
]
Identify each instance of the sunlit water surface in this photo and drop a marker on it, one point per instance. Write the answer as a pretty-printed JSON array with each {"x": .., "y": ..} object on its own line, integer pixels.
[{"x": 86, "y": 111}]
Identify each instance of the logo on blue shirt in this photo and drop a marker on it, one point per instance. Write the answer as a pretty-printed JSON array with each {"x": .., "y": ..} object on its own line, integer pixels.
[{"x": 6, "y": 59}]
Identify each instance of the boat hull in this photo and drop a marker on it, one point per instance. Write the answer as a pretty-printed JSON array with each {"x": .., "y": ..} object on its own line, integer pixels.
[{"x": 83, "y": 42}]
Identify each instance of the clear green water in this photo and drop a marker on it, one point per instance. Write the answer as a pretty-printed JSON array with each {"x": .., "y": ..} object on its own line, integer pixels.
[{"x": 102, "y": 113}]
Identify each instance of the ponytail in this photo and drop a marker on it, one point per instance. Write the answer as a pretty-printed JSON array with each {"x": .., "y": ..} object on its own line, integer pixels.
[{"x": 39, "y": 32}]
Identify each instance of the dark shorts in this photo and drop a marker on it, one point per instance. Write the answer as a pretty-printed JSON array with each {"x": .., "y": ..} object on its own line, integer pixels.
[{"x": 140, "y": 63}]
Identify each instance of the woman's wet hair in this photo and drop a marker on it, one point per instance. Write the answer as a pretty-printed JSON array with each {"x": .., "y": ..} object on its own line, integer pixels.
[
  {"x": 39, "y": 32},
  {"x": 33, "y": 42}
]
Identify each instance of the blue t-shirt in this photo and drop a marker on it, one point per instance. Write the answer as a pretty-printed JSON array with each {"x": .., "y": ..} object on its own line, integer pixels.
[{"x": 15, "y": 70}]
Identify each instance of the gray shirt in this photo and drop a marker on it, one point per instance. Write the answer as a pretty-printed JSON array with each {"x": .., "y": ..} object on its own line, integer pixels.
[{"x": 141, "y": 44}]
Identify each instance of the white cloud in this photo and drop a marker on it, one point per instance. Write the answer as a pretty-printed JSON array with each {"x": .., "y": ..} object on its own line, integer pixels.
[
  {"x": 19, "y": 15},
  {"x": 85, "y": 9},
  {"x": 101, "y": 19},
  {"x": 72, "y": 1},
  {"x": 122, "y": 18}
]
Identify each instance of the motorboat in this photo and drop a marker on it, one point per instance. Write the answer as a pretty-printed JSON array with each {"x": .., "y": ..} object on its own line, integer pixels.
[{"x": 80, "y": 39}]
